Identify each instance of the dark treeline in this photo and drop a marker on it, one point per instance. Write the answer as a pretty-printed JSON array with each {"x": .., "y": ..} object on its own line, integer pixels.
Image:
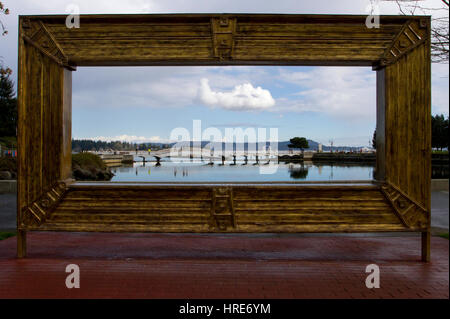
[
  {"x": 439, "y": 131},
  {"x": 89, "y": 145},
  {"x": 8, "y": 106}
]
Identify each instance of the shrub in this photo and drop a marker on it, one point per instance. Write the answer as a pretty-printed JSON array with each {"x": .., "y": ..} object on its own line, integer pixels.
[
  {"x": 88, "y": 160},
  {"x": 90, "y": 167},
  {"x": 9, "y": 164}
]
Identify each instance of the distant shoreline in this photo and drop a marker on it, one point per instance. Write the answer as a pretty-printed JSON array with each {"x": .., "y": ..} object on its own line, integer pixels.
[{"x": 364, "y": 158}]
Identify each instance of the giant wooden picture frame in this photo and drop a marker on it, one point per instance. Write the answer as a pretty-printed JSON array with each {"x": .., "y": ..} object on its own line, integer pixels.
[{"x": 397, "y": 200}]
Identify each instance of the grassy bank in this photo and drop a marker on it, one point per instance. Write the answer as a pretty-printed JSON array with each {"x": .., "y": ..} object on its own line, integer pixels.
[
  {"x": 440, "y": 152},
  {"x": 90, "y": 167}
]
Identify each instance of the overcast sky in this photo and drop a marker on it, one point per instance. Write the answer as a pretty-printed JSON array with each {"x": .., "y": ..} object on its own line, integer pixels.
[{"x": 320, "y": 103}]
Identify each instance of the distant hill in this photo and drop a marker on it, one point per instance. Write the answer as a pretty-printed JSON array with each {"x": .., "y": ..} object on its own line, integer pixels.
[
  {"x": 89, "y": 145},
  {"x": 282, "y": 146}
]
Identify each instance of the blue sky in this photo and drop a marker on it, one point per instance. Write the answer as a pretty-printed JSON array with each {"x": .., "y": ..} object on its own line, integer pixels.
[
  {"x": 147, "y": 103},
  {"x": 319, "y": 103}
]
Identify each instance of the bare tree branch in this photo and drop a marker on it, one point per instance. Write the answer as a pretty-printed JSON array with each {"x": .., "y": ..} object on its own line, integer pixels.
[
  {"x": 439, "y": 26},
  {"x": 3, "y": 10}
]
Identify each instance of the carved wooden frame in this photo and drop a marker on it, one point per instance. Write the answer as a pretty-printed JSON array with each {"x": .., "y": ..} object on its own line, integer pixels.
[{"x": 399, "y": 51}]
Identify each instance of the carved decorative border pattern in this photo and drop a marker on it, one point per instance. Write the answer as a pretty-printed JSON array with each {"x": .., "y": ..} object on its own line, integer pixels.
[
  {"x": 411, "y": 213},
  {"x": 37, "y": 34},
  {"x": 412, "y": 34},
  {"x": 40, "y": 210},
  {"x": 223, "y": 29},
  {"x": 222, "y": 209}
]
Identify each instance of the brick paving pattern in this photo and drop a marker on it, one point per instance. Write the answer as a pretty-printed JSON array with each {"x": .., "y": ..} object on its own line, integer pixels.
[{"x": 221, "y": 266}]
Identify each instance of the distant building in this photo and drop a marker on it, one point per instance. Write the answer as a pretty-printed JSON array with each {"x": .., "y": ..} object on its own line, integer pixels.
[
  {"x": 319, "y": 149},
  {"x": 366, "y": 150}
]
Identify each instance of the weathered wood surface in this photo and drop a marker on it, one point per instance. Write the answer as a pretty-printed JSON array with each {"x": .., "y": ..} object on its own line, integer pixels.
[
  {"x": 219, "y": 39},
  {"x": 399, "y": 50},
  {"x": 224, "y": 208},
  {"x": 44, "y": 133},
  {"x": 404, "y": 127},
  {"x": 408, "y": 125}
]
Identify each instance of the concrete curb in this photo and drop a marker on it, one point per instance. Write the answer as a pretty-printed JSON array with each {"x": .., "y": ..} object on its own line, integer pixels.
[{"x": 8, "y": 186}]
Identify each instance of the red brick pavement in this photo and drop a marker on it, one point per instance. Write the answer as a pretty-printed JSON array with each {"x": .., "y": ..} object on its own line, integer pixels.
[{"x": 221, "y": 266}]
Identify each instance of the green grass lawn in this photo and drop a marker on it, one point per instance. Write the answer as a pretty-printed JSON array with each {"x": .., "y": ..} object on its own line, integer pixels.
[
  {"x": 4, "y": 235},
  {"x": 445, "y": 235},
  {"x": 439, "y": 152}
]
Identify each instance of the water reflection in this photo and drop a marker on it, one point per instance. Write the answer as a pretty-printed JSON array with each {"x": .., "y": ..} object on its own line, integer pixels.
[
  {"x": 238, "y": 170},
  {"x": 439, "y": 171},
  {"x": 298, "y": 172}
]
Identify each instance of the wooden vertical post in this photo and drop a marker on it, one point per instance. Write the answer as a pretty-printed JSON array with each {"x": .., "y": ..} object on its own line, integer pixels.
[
  {"x": 44, "y": 123},
  {"x": 426, "y": 236},
  {"x": 66, "y": 121},
  {"x": 407, "y": 150},
  {"x": 380, "y": 171},
  {"x": 21, "y": 244},
  {"x": 21, "y": 143}
]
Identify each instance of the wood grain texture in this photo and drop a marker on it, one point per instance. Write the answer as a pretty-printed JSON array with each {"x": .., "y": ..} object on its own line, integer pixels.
[
  {"x": 412, "y": 34},
  {"x": 399, "y": 50},
  {"x": 225, "y": 208},
  {"x": 158, "y": 39},
  {"x": 44, "y": 151},
  {"x": 404, "y": 109},
  {"x": 408, "y": 125}
]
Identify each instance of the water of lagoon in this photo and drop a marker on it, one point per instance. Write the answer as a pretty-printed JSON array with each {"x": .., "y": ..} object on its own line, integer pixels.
[{"x": 197, "y": 171}]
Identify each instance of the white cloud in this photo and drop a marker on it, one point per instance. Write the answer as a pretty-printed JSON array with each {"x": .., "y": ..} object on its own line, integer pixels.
[
  {"x": 337, "y": 91},
  {"x": 126, "y": 138},
  {"x": 243, "y": 97},
  {"x": 154, "y": 86}
]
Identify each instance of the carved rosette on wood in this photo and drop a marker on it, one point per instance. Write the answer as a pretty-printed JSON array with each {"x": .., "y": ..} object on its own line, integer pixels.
[
  {"x": 412, "y": 214},
  {"x": 223, "y": 29},
  {"x": 222, "y": 209},
  {"x": 40, "y": 210},
  {"x": 36, "y": 33},
  {"x": 412, "y": 34}
]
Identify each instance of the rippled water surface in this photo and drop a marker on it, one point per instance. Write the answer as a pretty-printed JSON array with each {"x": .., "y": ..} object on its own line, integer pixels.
[{"x": 198, "y": 171}]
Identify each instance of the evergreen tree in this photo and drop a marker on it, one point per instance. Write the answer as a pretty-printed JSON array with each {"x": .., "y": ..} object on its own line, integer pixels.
[
  {"x": 439, "y": 131},
  {"x": 8, "y": 106},
  {"x": 298, "y": 142}
]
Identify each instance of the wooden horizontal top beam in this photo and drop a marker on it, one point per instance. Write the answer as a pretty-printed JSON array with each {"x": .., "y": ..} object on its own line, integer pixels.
[
  {"x": 285, "y": 17},
  {"x": 220, "y": 39}
]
